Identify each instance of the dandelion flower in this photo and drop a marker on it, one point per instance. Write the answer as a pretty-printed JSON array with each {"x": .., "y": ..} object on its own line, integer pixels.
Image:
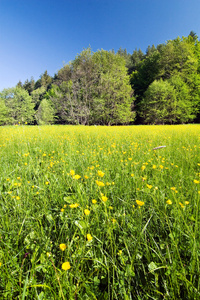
[
  {"x": 17, "y": 198},
  {"x": 62, "y": 210},
  {"x": 86, "y": 212},
  {"x": 187, "y": 202},
  {"x": 89, "y": 237},
  {"x": 94, "y": 201},
  {"x": 181, "y": 204},
  {"x": 143, "y": 167},
  {"x": 66, "y": 266},
  {"x": 63, "y": 247}
]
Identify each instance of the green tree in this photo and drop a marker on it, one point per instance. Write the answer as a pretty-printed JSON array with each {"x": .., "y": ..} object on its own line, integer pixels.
[
  {"x": 37, "y": 96},
  {"x": 4, "y": 113},
  {"x": 19, "y": 104},
  {"x": 177, "y": 57},
  {"x": 185, "y": 109},
  {"x": 113, "y": 100},
  {"x": 45, "y": 113},
  {"x": 159, "y": 103}
]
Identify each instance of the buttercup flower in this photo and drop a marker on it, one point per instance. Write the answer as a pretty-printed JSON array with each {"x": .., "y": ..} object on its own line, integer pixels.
[
  {"x": 169, "y": 202},
  {"x": 63, "y": 247},
  {"x": 76, "y": 177},
  {"x": 140, "y": 203},
  {"x": 72, "y": 172},
  {"x": 89, "y": 237},
  {"x": 104, "y": 198},
  {"x": 100, "y": 183},
  {"x": 75, "y": 205},
  {"x": 66, "y": 266},
  {"x": 149, "y": 186},
  {"x": 101, "y": 174},
  {"x": 86, "y": 212},
  {"x": 196, "y": 181}
]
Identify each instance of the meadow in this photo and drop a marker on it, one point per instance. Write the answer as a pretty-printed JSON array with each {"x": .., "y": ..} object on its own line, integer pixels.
[{"x": 96, "y": 213}]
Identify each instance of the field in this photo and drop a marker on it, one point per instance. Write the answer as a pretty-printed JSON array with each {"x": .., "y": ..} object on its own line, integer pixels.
[{"x": 96, "y": 213}]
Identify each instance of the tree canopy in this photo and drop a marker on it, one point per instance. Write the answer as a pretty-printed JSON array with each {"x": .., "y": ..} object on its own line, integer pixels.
[{"x": 107, "y": 88}]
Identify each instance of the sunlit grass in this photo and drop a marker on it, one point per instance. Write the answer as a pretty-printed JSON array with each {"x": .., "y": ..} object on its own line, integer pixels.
[{"x": 96, "y": 213}]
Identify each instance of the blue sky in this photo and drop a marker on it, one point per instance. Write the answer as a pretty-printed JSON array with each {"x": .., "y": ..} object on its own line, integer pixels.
[{"x": 39, "y": 35}]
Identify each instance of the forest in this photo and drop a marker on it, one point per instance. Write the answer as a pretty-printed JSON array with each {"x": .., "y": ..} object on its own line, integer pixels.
[{"x": 161, "y": 86}]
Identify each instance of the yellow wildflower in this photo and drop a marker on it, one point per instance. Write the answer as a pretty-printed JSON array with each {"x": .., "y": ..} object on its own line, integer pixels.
[
  {"x": 154, "y": 167},
  {"x": 63, "y": 247},
  {"x": 101, "y": 174},
  {"x": 62, "y": 210},
  {"x": 89, "y": 237},
  {"x": 94, "y": 201},
  {"x": 196, "y": 181},
  {"x": 17, "y": 198},
  {"x": 104, "y": 198},
  {"x": 100, "y": 183},
  {"x": 113, "y": 220},
  {"x": 140, "y": 203},
  {"x": 86, "y": 212},
  {"x": 143, "y": 167},
  {"x": 76, "y": 177},
  {"x": 72, "y": 172},
  {"x": 181, "y": 204},
  {"x": 66, "y": 266},
  {"x": 187, "y": 202},
  {"x": 169, "y": 202},
  {"x": 149, "y": 186},
  {"x": 75, "y": 205},
  {"x": 86, "y": 177}
]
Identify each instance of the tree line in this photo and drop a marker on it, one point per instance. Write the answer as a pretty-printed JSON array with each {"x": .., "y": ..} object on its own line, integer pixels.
[{"x": 161, "y": 86}]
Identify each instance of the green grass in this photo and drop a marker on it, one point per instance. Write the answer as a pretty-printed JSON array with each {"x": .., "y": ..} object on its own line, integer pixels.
[{"x": 137, "y": 250}]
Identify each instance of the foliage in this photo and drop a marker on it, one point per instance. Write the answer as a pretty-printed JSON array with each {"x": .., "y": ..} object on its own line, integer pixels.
[
  {"x": 45, "y": 113},
  {"x": 108, "y": 88},
  {"x": 19, "y": 105}
]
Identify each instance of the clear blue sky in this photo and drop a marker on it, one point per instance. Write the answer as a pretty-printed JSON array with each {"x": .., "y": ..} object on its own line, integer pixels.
[{"x": 39, "y": 35}]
